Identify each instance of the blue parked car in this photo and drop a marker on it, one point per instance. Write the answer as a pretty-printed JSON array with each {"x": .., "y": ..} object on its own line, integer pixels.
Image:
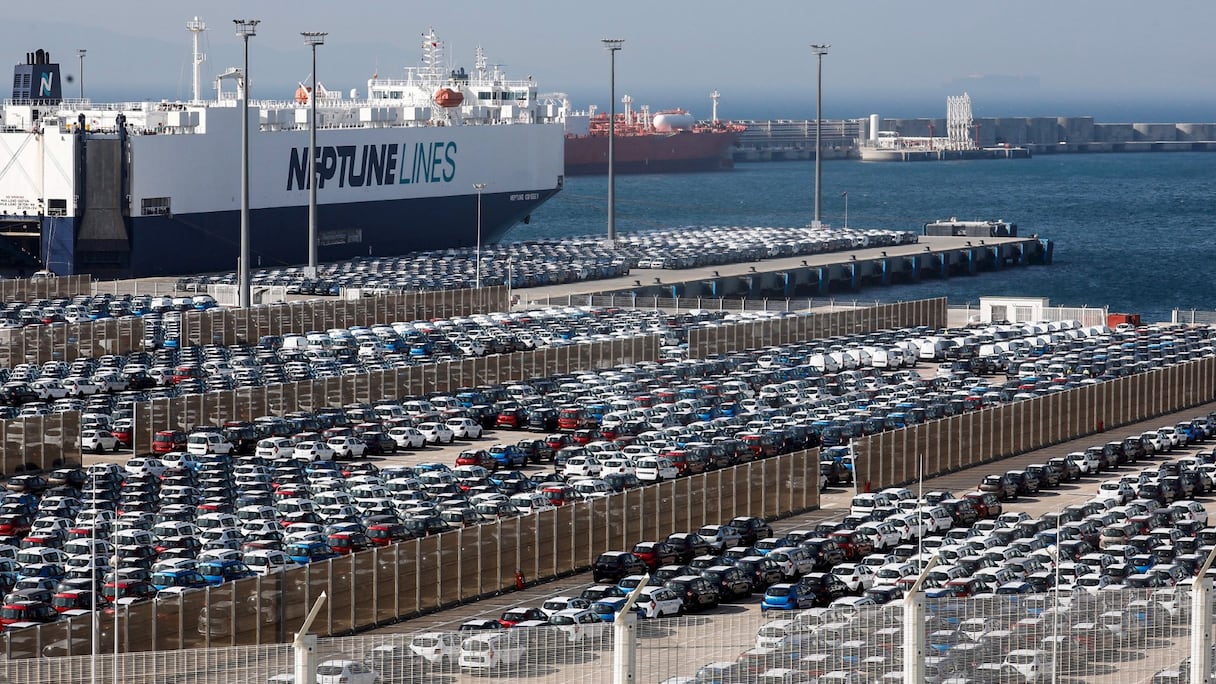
[
  {"x": 786, "y": 596},
  {"x": 216, "y": 572},
  {"x": 308, "y": 552},
  {"x": 508, "y": 456},
  {"x": 188, "y": 579}
]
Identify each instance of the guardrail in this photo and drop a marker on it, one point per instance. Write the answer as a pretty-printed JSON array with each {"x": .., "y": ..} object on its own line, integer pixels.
[
  {"x": 891, "y": 458},
  {"x": 384, "y": 585}
]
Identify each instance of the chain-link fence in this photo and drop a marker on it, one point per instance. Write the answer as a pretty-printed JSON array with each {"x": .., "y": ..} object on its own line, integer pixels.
[{"x": 1108, "y": 636}]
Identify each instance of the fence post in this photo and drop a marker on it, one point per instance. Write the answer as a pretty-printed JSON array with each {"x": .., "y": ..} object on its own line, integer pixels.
[
  {"x": 914, "y": 627},
  {"x": 1201, "y": 625}
]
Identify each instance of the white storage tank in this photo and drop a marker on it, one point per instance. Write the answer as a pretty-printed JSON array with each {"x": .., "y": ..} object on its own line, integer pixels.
[{"x": 673, "y": 121}]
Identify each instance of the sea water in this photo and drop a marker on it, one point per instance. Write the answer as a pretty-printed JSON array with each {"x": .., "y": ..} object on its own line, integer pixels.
[{"x": 1136, "y": 232}]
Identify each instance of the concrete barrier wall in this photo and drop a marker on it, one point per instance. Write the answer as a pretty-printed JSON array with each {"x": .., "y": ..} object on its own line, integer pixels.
[
  {"x": 725, "y": 339},
  {"x": 893, "y": 458},
  {"x": 383, "y": 585},
  {"x": 225, "y": 325}
]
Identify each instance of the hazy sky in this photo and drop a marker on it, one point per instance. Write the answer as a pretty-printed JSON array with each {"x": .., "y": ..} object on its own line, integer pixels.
[{"x": 1116, "y": 59}]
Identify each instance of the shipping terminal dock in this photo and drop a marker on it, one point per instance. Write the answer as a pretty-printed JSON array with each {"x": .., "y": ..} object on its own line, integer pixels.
[{"x": 934, "y": 256}]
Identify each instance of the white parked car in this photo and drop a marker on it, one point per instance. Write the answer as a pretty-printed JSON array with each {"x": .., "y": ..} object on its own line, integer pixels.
[
  {"x": 1116, "y": 489},
  {"x": 203, "y": 443},
  {"x": 582, "y": 466},
  {"x": 439, "y": 649},
  {"x": 145, "y": 466},
  {"x": 347, "y": 447},
  {"x": 49, "y": 388},
  {"x": 658, "y": 602},
  {"x": 346, "y": 672},
  {"x": 655, "y": 469},
  {"x": 580, "y": 624},
  {"x": 98, "y": 441},
  {"x": 1088, "y": 463},
  {"x": 407, "y": 438},
  {"x": 81, "y": 387},
  {"x": 275, "y": 447},
  {"x": 464, "y": 428},
  {"x": 856, "y": 577},
  {"x": 436, "y": 433},
  {"x": 268, "y": 561},
  {"x": 494, "y": 650},
  {"x": 313, "y": 451}
]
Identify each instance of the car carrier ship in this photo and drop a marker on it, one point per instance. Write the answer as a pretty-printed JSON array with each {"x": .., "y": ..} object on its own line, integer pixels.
[{"x": 153, "y": 188}]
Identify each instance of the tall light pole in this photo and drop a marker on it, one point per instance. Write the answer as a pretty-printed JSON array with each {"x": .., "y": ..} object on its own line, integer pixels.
[
  {"x": 820, "y": 51},
  {"x": 845, "y": 195},
  {"x": 612, "y": 45},
  {"x": 477, "y": 277},
  {"x": 94, "y": 642},
  {"x": 80, "y": 53},
  {"x": 312, "y": 39},
  {"x": 246, "y": 29}
]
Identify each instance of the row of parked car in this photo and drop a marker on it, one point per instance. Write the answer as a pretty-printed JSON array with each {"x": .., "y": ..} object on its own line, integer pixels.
[
  {"x": 553, "y": 262},
  {"x": 1008, "y": 591},
  {"x": 84, "y": 308}
]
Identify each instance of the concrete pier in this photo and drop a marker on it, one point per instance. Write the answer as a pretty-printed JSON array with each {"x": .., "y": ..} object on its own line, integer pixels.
[{"x": 819, "y": 274}]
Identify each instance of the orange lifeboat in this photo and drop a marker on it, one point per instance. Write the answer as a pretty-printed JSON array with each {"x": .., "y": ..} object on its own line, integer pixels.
[
  {"x": 446, "y": 97},
  {"x": 302, "y": 95}
]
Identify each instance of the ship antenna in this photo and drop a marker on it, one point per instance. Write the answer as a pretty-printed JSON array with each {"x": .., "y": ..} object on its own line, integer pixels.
[
  {"x": 432, "y": 58},
  {"x": 196, "y": 26},
  {"x": 479, "y": 63},
  {"x": 714, "y": 96}
]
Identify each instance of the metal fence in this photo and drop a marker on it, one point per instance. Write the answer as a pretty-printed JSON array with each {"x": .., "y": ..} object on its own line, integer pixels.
[
  {"x": 1123, "y": 636},
  {"x": 724, "y": 339},
  {"x": 382, "y": 585},
  {"x": 27, "y": 289},
  {"x": 1193, "y": 316},
  {"x": 223, "y": 325},
  {"x": 891, "y": 458}
]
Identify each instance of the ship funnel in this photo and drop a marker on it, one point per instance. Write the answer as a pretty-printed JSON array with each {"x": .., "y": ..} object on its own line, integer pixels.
[{"x": 874, "y": 124}]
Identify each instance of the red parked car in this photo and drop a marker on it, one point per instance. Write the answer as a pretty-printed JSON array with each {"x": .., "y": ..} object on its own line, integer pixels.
[{"x": 168, "y": 440}]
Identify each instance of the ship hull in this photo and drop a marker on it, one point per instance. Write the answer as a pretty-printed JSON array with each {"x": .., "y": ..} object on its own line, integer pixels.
[
  {"x": 154, "y": 204},
  {"x": 681, "y": 152},
  {"x": 203, "y": 242},
  {"x": 873, "y": 154}
]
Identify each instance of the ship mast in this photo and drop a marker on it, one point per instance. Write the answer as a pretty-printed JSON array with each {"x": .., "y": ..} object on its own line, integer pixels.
[
  {"x": 714, "y": 96},
  {"x": 196, "y": 26}
]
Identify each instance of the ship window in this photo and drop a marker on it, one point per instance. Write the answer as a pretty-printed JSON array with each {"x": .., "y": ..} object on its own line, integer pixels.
[
  {"x": 57, "y": 207},
  {"x": 155, "y": 206}
]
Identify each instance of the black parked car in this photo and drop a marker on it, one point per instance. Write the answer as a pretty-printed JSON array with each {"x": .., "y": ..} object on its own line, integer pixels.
[
  {"x": 378, "y": 443},
  {"x": 698, "y": 593},
  {"x": 751, "y": 528},
  {"x": 615, "y": 565},
  {"x": 826, "y": 587},
  {"x": 1047, "y": 476},
  {"x": 730, "y": 582}
]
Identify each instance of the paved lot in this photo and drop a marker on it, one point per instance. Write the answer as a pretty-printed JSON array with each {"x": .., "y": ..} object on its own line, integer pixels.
[{"x": 712, "y": 636}]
